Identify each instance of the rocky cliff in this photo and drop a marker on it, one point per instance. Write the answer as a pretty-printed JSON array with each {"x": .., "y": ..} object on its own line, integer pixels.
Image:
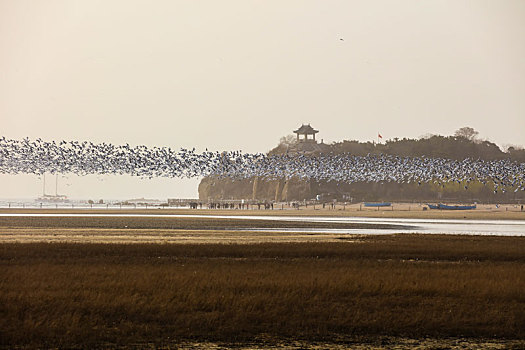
[
  {"x": 297, "y": 190},
  {"x": 255, "y": 188}
]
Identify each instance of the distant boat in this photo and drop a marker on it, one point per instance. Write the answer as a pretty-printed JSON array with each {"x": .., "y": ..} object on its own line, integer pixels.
[
  {"x": 451, "y": 207},
  {"x": 375, "y": 205},
  {"x": 49, "y": 198}
]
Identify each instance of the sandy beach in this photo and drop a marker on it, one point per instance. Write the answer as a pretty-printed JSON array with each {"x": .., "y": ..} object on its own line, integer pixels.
[{"x": 397, "y": 210}]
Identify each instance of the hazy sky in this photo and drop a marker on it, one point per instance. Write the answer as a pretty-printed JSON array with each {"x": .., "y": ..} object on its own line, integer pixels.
[{"x": 241, "y": 74}]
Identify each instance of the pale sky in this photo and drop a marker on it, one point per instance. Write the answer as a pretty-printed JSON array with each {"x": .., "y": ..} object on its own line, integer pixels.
[{"x": 229, "y": 75}]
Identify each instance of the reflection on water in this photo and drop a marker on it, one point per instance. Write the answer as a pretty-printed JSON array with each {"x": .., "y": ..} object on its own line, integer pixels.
[{"x": 428, "y": 226}]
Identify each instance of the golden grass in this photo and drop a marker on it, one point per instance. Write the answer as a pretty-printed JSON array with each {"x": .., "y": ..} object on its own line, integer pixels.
[{"x": 86, "y": 295}]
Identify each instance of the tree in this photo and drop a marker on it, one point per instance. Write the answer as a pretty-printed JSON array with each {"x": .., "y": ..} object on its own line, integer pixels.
[
  {"x": 285, "y": 143},
  {"x": 467, "y": 133},
  {"x": 516, "y": 153},
  {"x": 288, "y": 140}
]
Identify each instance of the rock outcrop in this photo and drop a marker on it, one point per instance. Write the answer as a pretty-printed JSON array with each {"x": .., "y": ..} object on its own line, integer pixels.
[{"x": 255, "y": 188}]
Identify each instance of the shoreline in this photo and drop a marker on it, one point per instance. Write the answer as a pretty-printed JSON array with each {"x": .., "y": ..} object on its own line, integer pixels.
[{"x": 397, "y": 211}]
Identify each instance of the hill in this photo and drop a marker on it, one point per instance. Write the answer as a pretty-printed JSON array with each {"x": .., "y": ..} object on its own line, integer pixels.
[{"x": 462, "y": 145}]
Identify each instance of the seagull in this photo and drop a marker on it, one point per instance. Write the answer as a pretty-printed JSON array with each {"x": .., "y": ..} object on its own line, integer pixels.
[{"x": 82, "y": 158}]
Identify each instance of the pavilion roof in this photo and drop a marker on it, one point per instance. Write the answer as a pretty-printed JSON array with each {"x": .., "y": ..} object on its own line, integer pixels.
[{"x": 306, "y": 129}]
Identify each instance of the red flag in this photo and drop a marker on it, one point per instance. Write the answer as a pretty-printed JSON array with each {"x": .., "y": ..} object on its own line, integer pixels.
[{"x": 379, "y": 135}]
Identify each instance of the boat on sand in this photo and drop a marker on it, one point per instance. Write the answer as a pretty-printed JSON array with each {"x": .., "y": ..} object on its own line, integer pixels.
[{"x": 442, "y": 206}]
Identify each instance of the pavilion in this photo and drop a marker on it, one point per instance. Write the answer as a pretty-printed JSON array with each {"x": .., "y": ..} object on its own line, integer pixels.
[{"x": 305, "y": 130}]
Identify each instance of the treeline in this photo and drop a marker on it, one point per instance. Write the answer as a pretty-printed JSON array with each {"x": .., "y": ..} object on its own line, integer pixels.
[{"x": 435, "y": 146}]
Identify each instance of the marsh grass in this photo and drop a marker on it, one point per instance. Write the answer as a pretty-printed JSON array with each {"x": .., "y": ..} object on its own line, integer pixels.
[{"x": 66, "y": 295}]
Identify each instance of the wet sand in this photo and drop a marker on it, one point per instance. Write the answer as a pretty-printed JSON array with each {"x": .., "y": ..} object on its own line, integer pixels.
[
  {"x": 399, "y": 210},
  {"x": 238, "y": 226},
  {"x": 164, "y": 229},
  {"x": 157, "y": 236}
]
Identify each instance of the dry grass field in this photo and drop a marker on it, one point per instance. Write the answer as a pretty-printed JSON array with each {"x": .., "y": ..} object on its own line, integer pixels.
[{"x": 372, "y": 291}]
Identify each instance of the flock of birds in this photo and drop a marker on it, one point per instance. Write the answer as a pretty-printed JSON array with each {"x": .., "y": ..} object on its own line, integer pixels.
[{"x": 83, "y": 158}]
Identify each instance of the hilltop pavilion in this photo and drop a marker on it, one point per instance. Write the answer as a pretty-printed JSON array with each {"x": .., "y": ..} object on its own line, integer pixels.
[
  {"x": 305, "y": 130},
  {"x": 306, "y": 142}
]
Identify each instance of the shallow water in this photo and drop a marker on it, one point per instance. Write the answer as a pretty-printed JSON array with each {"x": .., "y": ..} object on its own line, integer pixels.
[{"x": 426, "y": 226}]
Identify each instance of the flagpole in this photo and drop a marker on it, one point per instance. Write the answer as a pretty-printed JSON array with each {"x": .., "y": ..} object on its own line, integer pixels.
[{"x": 379, "y": 136}]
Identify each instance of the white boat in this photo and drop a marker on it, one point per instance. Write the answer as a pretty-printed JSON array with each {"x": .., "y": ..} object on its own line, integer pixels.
[{"x": 49, "y": 198}]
